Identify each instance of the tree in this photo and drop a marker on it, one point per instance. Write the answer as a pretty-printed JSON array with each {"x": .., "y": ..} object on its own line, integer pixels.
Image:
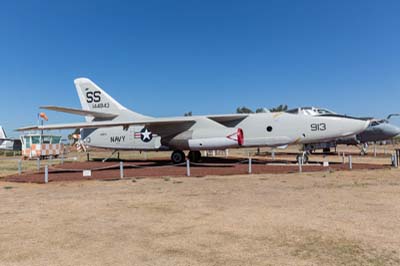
[
  {"x": 261, "y": 110},
  {"x": 188, "y": 113},
  {"x": 243, "y": 110},
  {"x": 280, "y": 108}
]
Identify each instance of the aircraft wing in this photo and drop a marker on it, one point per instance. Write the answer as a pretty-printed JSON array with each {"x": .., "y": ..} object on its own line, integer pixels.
[
  {"x": 79, "y": 112},
  {"x": 149, "y": 122},
  {"x": 231, "y": 120}
]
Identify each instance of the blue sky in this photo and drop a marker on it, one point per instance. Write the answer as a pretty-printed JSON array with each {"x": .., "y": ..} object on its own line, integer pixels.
[{"x": 165, "y": 58}]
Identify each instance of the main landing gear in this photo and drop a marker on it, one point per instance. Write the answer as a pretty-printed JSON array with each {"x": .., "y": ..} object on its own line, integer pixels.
[{"x": 178, "y": 156}]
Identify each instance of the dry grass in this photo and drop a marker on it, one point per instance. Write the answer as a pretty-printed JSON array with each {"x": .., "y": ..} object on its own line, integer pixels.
[{"x": 339, "y": 218}]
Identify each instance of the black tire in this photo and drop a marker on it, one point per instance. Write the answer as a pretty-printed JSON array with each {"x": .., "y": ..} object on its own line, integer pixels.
[
  {"x": 326, "y": 150},
  {"x": 177, "y": 157},
  {"x": 198, "y": 155}
]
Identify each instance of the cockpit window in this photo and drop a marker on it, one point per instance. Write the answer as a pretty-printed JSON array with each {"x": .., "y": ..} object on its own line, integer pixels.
[
  {"x": 311, "y": 111},
  {"x": 374, "y": 123},
  {"x": 293, "y": 111},
  {"x": 325, "y": 112}
]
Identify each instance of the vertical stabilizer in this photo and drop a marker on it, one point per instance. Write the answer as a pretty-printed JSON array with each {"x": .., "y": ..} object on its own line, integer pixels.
[
  {"x": 93, "y": 98},
  {"x": 2, "y": 133}
]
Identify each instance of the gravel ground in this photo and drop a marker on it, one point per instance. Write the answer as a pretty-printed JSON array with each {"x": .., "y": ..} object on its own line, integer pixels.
[{"x": 163, "y": 167}]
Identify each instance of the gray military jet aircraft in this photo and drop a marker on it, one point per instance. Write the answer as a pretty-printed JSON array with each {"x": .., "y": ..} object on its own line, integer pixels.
[
  {"x": 8, "y": 143},
  {"x": 110, "y": 125},
  {"x": 378, "y": 130}
]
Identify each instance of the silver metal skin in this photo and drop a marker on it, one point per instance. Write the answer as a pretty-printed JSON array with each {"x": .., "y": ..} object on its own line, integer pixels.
[
  {"x": 378, "y": 130},
  {"x": 8, "y": 144},
  {"x": 111, "y": 125}
]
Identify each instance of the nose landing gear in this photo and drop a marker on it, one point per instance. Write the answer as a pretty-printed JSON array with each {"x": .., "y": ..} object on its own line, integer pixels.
[{"x": 304, "y": 156}]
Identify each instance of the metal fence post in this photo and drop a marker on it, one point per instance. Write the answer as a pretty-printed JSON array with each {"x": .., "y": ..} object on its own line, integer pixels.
[
  {"x": 300, "y": 162},
  {"x": 350, "y": 162},
  {"x": 187, "y": 167},
  {"x": 250, "y": 166},
  {"x": 121, "y": 170},
  {"x": 46, "y": 174},
  {"x": 19, "y": 167},
  {"x": 38, "y": 164}
]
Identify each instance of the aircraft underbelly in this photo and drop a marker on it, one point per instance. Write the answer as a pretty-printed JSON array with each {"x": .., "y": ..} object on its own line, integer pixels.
[{"x": 267, "y": 141}]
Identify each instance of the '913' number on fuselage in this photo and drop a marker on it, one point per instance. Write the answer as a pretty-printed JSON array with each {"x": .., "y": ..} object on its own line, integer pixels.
[{"x": 318, "y": 127}]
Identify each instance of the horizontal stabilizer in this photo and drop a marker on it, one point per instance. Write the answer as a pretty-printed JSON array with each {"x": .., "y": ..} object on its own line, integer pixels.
[{"x": 80, "y": 112}]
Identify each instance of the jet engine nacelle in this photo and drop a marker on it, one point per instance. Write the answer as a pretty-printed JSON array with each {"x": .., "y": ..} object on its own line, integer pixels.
[
  {"x": 233, "y": 140},
  {"x": 208, "y": 140}
]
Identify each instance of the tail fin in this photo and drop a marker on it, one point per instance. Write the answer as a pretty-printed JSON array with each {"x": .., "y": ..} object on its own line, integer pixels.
[
  {"x": 93, "y": 98},
  {"x": 2, "y": 133}
]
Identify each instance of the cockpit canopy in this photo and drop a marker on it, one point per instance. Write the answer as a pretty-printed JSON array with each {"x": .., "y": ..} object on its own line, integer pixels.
[{"x": 311, "y": 111}]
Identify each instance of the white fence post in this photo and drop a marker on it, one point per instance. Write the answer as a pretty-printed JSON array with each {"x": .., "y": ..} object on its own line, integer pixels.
[
  {"x": 19, "y": 167},
  {"x": 38, "y": 164},
  {"x": 121, "y": 170},
  {"x": 46, "y": 174},
  {"x": 250, "y": 166},
  {"x": 300, "y": 162},
  {"x": 187, "y": 167},
  {"x": 350, "y": 162}
]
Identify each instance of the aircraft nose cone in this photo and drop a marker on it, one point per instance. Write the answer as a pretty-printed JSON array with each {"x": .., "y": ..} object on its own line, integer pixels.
[{"x": 391, "y": 131}]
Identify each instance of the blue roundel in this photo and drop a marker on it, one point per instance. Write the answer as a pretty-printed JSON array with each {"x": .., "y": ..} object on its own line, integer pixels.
[{"x": 146, "y": 135}]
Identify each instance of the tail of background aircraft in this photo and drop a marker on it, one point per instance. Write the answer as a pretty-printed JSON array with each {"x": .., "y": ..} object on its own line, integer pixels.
[
  {"x": 93, "y": 98},
  {"x": 2, "y": 133}
]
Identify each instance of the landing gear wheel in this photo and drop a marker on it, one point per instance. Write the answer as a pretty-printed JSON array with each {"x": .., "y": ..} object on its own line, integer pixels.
[
  {"x": 194, "y": 156},
  {"x": 178, "y": 157},
  {"x": 304, "y": 156},
  {"x": 326, "y": 150}
]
